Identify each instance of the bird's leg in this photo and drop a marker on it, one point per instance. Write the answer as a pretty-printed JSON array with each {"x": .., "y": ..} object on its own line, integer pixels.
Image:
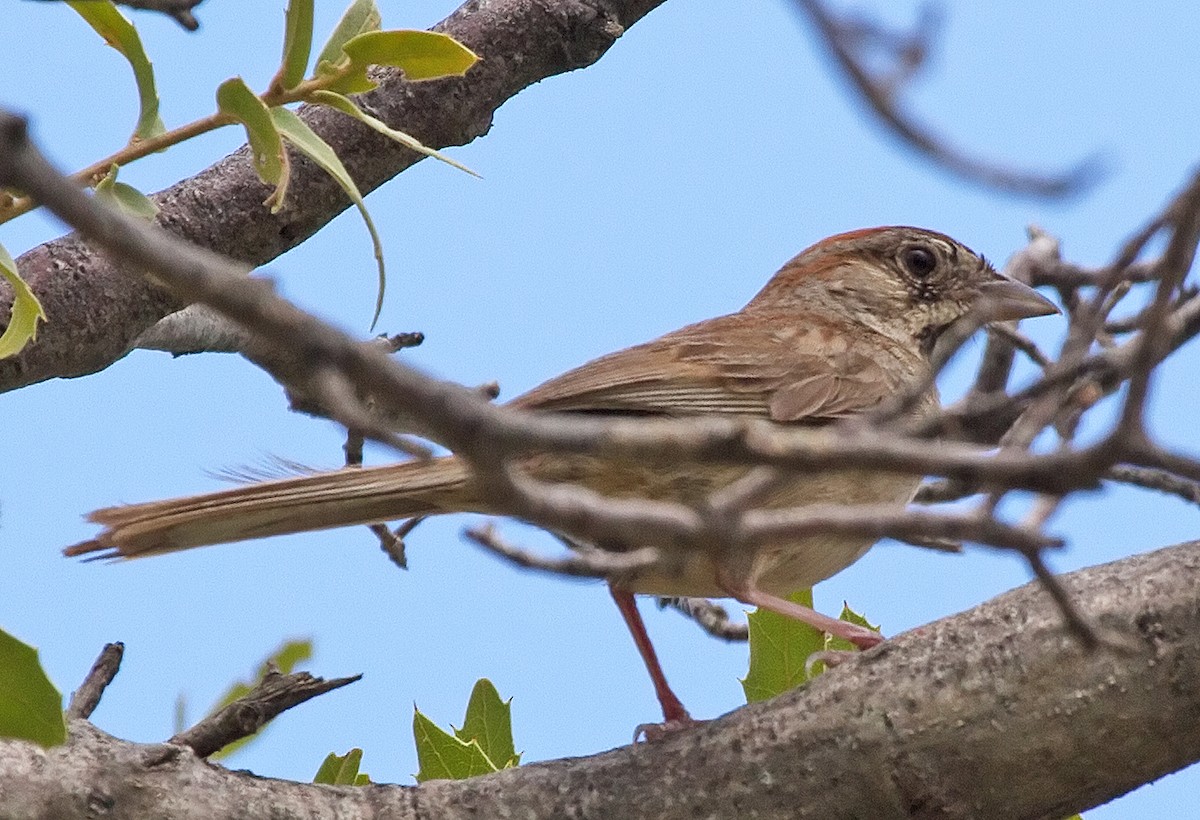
[
  {"x": 748, "y": 593},
  {"x": 674, "y": 715}
]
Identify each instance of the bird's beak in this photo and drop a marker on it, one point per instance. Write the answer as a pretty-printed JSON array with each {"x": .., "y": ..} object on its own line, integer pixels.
[{"x": 1007, "y": 299}]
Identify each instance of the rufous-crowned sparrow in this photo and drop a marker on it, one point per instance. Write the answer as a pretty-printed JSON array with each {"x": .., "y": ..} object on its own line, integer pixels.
[{"x": 841, "y": 327}]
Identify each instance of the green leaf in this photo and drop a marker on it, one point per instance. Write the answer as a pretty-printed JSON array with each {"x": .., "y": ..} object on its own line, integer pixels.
[
  {"x": 124, "y": 197},
  {"x": 850, "y": 616},
  {"x": 30, "y": 706},
  {"x": 421, "y": 55},
  {"x": 360, "y": 16},
  {"x": 236, "y": 99},
  {"x": 284, "y": 659},
  {"x": 342, "y": 771},
  {"x": 347, "y": 106},
  {"x": 442, "y": 756},
  {"x": 489, "y": 721},
  {"x": 779, "y": 650},
  {"x": 297, "y": 44},
  {"x": 26, "y": 310},
  {"x": 119, "y": 33},
  {"x": 295, "y": 131}
]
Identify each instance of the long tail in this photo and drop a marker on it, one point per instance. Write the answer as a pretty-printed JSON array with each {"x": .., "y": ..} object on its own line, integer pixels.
[{"x": 313, "y": 502}]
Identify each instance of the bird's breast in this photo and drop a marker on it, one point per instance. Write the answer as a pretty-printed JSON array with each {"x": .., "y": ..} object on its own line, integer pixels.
[{"x": 780, "y": 567}]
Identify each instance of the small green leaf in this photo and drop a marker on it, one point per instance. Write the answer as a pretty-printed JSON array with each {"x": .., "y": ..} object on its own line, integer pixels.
[
  {"x": 489, "y": 721},
  {"x": 30, "y": 706},
  {"x": 284, "y": 659},
  {"x": 236, "y": 99},
  {"x": 421, "y": 55},
  {"x": 347, "y": 106},
  {"x": 342, "y": 771},
  {"x": 779, "y": 650},
  {"x": 442, "y": 756},
  {"x": 850, "y": 616},
  {"x": 360, "y": 17},
  {"x": 26, "y": 310},
  {"x": 124, "y": 197},
  {"x": 297, "y": 44},
  {"x": 295, "y": 131},
  {"x": 119, "y": 33}
]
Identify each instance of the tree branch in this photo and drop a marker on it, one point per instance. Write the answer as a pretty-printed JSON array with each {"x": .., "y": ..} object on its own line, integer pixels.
[
  {"x": 994, "y": 712},
  {"x": 87, "y": 697},
  {"x": 98, "y": 311},
  {"x": 851, "y": 41},
  {"x": 270, "y": 697}
]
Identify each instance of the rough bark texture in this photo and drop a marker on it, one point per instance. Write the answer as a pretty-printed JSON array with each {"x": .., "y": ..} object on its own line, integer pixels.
[
  {"x": 991, "y": 713},
  {"x": 96, "y": 310}
]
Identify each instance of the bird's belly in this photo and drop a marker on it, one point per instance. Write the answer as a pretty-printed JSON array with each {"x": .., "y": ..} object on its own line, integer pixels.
[{"x": 779, "y": 567}]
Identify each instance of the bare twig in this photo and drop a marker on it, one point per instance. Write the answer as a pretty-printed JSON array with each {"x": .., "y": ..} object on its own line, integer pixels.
[
  {"x": 849, "y": 41},
  {"x": 1021, "y": 342},
  {"x": 710, "y": 616},
  {"x": 392, "y": 541},
  {"x": 589, "y": 564},
  {"x": 1074, "y": 619},
  {"x": 87, "y": 697},
  {"x": 274, "y": 694},
  {"x": 1153, "y": 479}
]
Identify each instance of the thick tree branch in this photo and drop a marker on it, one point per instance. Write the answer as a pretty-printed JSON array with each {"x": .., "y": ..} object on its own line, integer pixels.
[
  {"x": 97, "y": 311},
  {"x": 995, "y": 712}
]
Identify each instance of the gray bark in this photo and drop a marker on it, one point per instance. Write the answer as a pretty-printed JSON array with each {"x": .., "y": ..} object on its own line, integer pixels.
[{"x": 995, "y": 712}]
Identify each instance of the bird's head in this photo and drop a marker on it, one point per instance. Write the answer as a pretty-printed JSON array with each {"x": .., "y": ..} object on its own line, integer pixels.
[{"x": 907, "y": 283}]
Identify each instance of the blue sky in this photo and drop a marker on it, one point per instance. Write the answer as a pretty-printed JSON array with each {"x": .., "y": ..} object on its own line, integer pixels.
[{"x": 658, "y": 187}]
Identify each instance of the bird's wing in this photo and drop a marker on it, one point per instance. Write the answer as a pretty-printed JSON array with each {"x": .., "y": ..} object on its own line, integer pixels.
[{"x": 787, "y": 368}]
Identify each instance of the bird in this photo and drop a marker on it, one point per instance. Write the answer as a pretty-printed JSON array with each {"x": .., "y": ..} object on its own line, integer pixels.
[{"x": 840, "y": 328}]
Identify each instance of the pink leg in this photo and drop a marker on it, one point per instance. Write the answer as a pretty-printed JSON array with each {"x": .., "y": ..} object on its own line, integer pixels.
[
  {"x": 673, "y": 711},
  {"x": 861, "y": 637}
]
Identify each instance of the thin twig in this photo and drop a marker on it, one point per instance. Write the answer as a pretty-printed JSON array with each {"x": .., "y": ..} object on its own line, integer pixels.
[
  {"x": 392, "y": 541},
  {"x": 880, "y": 91},
  {"x": 87, "y": 697},
  {"x": 1154, "y": 479},
  {"x": 1072, "y": 617},
  {"x": 709, "y": 616},
  {"x": 1021, "y": 342},
  {"x": 274, "y": 694},
  {"x": 589, "y": 564}
]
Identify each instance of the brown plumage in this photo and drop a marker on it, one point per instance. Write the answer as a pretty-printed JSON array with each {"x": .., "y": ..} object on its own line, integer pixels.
[{"x": 844, "y": 325}]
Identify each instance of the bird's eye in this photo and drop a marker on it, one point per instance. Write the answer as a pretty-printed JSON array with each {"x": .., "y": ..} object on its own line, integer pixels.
[{"x": 919, "y": 261}]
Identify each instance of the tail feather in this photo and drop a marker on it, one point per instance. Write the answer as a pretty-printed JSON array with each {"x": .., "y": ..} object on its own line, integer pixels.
[{"x": 312, "y": 502}]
